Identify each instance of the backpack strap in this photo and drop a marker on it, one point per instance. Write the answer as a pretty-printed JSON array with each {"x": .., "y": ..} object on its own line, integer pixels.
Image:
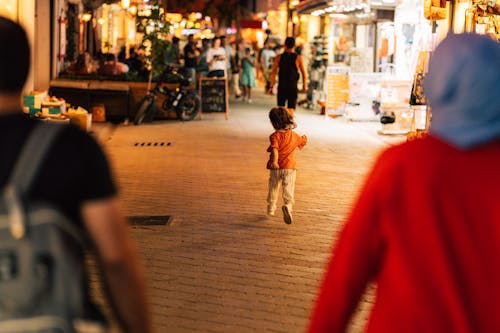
[{"x": 32, "y": 155}]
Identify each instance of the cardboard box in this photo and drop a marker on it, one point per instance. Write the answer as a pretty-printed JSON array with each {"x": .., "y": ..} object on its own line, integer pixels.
[
  {"x": 81, "y": 118},
  {"x": 34, "y": 99},
  {"x": 33, "y": 111},
  {"x": 53, "y": 107}
]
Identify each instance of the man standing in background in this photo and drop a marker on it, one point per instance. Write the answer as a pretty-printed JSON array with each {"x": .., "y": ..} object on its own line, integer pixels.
[{"x": 191, "y": 55}]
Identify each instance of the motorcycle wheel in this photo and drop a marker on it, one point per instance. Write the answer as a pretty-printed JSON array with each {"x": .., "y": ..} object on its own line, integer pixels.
[
  {"x": 145, "y": 108},
  {"x": 189, "y": 107}
]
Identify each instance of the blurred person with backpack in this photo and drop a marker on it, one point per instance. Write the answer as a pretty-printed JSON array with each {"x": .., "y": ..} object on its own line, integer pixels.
[{"x": 58, "y": 201}]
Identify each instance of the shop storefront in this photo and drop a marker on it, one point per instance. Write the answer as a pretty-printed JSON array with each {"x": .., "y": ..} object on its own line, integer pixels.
[
  {"x": 370, "y": 53},
  {"x": 37, "y": 27}
]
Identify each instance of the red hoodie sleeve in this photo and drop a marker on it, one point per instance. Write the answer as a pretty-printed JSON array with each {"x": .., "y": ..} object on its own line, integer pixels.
[{"x": 354, "y": 262}]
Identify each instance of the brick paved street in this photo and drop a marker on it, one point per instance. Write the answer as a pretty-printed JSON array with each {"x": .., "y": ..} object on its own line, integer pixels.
[{"x": 222, "y": 266}]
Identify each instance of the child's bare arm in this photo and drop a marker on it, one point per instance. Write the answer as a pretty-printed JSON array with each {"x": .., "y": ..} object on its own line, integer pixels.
[
  {"x": 274, "y": 159},
  {"x": 303, "y": 141}
]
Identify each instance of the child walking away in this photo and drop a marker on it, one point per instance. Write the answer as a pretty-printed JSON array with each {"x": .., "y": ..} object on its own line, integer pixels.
[{"x": 282, "y": 162}]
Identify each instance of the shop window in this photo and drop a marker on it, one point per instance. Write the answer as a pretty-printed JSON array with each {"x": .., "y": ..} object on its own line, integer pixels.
[{"x": 8, "y": 8}]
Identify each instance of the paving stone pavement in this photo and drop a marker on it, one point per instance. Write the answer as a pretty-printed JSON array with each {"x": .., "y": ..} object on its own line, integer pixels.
[{"x": 221, "y": 265}]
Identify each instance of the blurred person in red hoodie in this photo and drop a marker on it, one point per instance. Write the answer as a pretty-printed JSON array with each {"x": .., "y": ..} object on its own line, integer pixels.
[{"x": 426, "y": 226}]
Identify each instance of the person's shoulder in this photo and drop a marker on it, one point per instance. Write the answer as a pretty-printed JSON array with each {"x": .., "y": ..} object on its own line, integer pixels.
[
  {"x": 74, "y": 140},
  {"x": 412, "y": 151}
]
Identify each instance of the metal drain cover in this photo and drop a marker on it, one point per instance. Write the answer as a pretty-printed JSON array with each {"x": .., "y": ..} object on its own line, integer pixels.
[
  {"x": 159, "y": 220},
  {"x": 153, "y": 144}
]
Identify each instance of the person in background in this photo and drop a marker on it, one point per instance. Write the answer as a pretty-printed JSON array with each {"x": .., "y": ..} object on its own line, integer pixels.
[
  {"x": 266, "y": 64},
  {"x": 202, "y": 68},
  {"x": 282, "y": 164},
  {"x": 235, "y": 69},
  {"x": 191, "y": 56},
  {"x": 122, "y": 54},
  {"x": 110, "y": 66},
  {"x": 80, "y": 184},
  {"x": 83, "y": 64},
  {"x": 216, "y": 59},
  {"x": 341, "y": 50},
  {"x": 248, "y": 64},
  {"x": 287, "y": 65},
  {"x": 135, "y": 63},
  {"x": 120, "y": 62},
  {"x": 229, "y": 51},
  {"x": 173, "y": 52},
  {"x": 431, "y": 243}
]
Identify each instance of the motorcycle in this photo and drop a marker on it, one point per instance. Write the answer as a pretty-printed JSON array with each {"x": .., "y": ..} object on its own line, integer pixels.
[{"x": 185, "y": 102}]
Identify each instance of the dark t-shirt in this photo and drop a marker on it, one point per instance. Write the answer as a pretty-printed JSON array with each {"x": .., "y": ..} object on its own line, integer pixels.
[
  {"x": 75, "y": 170},
  {"x": 189, "y": 62}
]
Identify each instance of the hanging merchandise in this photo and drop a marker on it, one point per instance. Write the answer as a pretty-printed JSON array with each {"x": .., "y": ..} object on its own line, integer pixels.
[
  {"x": 435, "y": 9},
  {"x": 317, "y": 68},
  {"x": 417, "y": 96},
  {"x": 418, "y": 101},
  {"x": 483, "y": 17}
]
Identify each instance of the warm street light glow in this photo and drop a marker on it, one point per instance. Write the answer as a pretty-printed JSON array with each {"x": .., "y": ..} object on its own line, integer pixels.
[
  {"x": 125, "y": 3},
  {"x": 86, "y": 17},
  {"x": 133, "y": 10},
  {"x": 100, "y": 21}
]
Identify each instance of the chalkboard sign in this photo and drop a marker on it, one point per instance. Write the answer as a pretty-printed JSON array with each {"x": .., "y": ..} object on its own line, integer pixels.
[{"x": 214, "y": 96}]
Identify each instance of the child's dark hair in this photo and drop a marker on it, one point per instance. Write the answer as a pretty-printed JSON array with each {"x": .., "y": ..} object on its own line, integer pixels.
[{"x": 280, "y": 118}]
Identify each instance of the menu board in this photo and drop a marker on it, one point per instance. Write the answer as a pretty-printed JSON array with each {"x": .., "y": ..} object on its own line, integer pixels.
[
  {"x": 214, "y": 96},
  {"x": 337, "y": 88}
]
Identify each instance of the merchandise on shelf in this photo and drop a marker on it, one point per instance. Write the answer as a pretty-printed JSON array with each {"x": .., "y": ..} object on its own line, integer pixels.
[{"x": 316, "y": 69}]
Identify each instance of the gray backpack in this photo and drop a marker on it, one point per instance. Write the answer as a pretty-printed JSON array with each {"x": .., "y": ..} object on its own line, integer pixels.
[{"x": 41, "y": 271}]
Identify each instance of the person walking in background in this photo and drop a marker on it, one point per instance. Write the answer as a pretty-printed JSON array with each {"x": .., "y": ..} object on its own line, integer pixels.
[
  {"x": 191, "y": 55},
  {"x": 431, "y": 243},
  {"x": 287, "y": 65},
  {"x": 248, "y": 64},
  {"x": 216, "y": 59},
  {"x": 282, "y": 164},
  {"x": 266, "y": 64},
  {"x": 202, "y": 68},
  {"x": 80, "y": 185},
  {"x": 235, "y": 69},
  {"x": 229, "y": 51}
]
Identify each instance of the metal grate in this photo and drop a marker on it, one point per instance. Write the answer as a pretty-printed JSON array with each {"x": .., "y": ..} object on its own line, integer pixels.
[
  {"x": 153, "y": 144},
  {"x": 156, "y": 220}
]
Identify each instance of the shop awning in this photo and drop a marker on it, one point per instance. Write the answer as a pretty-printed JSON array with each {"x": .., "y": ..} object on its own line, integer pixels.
[
  {"x": 308, "y": 6},
  {"x": 94, "y": 4}
]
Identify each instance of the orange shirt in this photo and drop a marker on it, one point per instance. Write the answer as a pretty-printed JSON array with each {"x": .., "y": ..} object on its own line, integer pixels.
[{"x": 285, "y": 141}]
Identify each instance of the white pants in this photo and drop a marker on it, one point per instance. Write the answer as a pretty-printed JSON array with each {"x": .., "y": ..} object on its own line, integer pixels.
[
  {"x": 285, "y": 178},
  {"x": 236, "y": 84}
]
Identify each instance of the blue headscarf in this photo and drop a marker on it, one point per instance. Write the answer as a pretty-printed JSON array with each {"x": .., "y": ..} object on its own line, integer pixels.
[{"x": 462, "y": 88}]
